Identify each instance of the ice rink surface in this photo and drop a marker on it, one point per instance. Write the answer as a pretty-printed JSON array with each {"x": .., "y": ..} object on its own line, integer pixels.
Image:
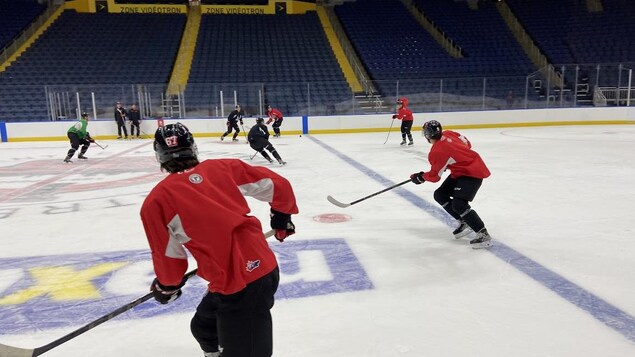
[{"x": 381, "y": 278}]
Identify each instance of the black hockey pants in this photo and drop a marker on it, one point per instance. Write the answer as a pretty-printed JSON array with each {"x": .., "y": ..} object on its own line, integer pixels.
[
  {"x": 406, "y": 126},
  {"x": 240, "y": 323},
  {"x": 454, "y": 196},
  {"x": 262, "y": 145},
  {"x": 75, "y": 143},
  {"x": 232, "y": 126}
]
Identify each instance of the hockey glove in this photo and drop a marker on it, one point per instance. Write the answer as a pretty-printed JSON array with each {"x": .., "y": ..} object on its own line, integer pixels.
[
  {"x": 165, "y": 294},
  {"x": 417, "y": 178},
  {"x": 281, "y": 223},
  {"x": 394, "y": 116},
  {"x": 89, "y": 138}
]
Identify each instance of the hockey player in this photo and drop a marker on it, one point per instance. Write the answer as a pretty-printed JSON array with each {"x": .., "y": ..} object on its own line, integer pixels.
[
  {"x": 405, "y": 115},
  {"x": 232, "y": 123},
  {"x": 201, "y": 206},
  {"x": 453, "y": 151},
  {"x": 78, "y": 135},
  {"x": 259, "y": 140},
  {"x": 275, "y": 116}
]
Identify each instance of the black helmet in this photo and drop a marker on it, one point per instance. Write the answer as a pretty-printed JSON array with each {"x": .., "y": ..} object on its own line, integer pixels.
[
  {"x": 267, "y": 106},
  {"x": 259, "y": 120},
  {"x": 84, "y": 115},
  {"x": 432, "y": 130},
  {"x": 174, "y": 141}
]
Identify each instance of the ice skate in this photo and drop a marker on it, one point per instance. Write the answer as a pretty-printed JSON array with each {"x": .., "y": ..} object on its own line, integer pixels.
[
  {"x": 211, "y": 354},
  {"x": 403, "y": 142},
  {"x": 270, "y": 161},
  {"x": 411, "y": 143},
  {"x": 119, "y": 137},
  {"x": 462, "y": 230},
  {"x": 482, "y": 240},
  {"x": 82, "y": 157},
  {"x": 281, "y": 162},
  {"x": 68, "y": 160},
  {"x": 234, "y": 139},
  {"x": 222, "y": 138}
]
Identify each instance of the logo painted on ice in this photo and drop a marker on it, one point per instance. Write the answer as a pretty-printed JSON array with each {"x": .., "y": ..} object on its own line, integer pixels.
[
  {"x": 252, "y": 264},
  {"x": 57, "y": 291}
]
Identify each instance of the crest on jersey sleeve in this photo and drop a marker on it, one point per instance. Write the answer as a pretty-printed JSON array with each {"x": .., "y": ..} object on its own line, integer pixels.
[{"x": 195, "y": 178}]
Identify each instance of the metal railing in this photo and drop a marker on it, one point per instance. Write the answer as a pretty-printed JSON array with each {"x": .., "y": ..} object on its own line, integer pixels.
[{"x": 211, "y": 100}]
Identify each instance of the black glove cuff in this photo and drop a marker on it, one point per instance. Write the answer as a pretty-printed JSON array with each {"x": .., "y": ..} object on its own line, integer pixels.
[
  {"x": 168, "y": 287},
  {"x": 279, "y": 220}
]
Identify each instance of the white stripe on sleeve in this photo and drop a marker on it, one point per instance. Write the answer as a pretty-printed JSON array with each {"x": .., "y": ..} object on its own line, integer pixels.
[
  {"x": 261, "y": 190},
  {"x": 178, "y": 237}
]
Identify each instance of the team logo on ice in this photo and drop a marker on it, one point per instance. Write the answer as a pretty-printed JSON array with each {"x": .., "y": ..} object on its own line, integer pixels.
[
  {"x": 196, "y": 178},
  {"x": 57, "y": 291},
  {"x": 252, "y": 265},
  {"x": 101, "y": 176}
]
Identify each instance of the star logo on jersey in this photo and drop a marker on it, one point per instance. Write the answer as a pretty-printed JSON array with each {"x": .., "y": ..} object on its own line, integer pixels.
[
  {"x": 196, "y": 178},
  {"x": 252, "y": 265}
]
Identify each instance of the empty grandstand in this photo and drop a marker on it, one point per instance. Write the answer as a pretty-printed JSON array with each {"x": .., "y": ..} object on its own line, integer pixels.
[{"x": 444, "y": 55}]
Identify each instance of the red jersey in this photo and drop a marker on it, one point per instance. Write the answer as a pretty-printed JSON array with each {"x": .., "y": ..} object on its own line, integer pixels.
[
  {"x": 274, "y": 114},
  {"x": 204, "y": 210},
  {"x": 454, "y": 152},
  {"x": 404, "y": 113}
]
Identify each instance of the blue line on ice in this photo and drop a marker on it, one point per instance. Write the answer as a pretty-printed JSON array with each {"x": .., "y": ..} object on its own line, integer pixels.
[{"x": 600, "y": 309}]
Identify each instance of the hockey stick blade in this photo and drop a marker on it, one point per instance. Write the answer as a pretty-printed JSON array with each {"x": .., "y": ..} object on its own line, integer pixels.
[
  {"x": 344, "y": 205},
  {"x": 10, "y": 351},
  {"x": 336, "y": 202},
  {"x": 103, "y": 147}
]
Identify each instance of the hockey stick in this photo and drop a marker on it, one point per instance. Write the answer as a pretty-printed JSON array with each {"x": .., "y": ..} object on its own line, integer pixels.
[
  {"x": 10, "y": 351},
  {"x": 101, "y": 147},
  {"x": 389, "y": 130},
  {"x": 244, "y": 132},
  {"x": 344, "y": 205},
  {"x": 254, "y": 155}
]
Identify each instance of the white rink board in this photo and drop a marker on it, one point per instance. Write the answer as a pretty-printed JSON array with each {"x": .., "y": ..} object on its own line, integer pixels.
[{"x": 333, "y": 124}]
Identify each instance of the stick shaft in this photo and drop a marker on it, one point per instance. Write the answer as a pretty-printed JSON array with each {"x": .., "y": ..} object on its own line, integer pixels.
[
  {"x": 101, "y": 147},
  {"x": 10, "y": 351},
  {"x": 38, "y": 351},
  {"x": 389, "y": 130},
  {"x": 382, "y": 191},
  {"x": 344, "y": 205}
]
